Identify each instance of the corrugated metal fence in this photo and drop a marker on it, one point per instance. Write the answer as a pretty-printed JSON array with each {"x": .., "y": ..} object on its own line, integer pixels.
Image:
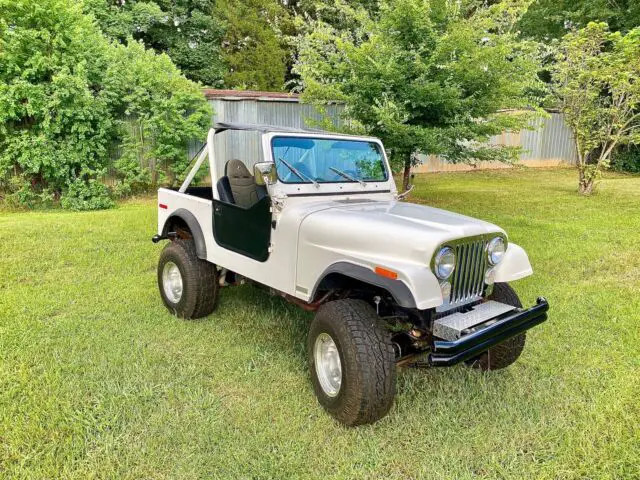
[{"x": 548, "y": 143}]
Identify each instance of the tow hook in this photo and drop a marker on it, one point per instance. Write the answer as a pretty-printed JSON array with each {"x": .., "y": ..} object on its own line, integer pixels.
[{"x": 169, "y": 236}]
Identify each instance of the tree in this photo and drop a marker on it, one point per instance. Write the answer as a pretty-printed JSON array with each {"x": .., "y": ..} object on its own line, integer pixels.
[
  {"x": 426, "y": 77},
  {"x": 554, "y": 18},
  {"x": 330, "y": 12},
  {"x": 186, "y": 30},
  {"x": 254, "y": 48},
  {"x": 595, "y": 82}
]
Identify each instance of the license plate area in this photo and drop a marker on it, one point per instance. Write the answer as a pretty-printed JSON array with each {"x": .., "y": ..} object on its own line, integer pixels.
[{"x": 453, "y": 326}]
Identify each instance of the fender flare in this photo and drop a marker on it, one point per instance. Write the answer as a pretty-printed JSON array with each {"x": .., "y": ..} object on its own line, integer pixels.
[
  {"x": 514, "y": 266},
  {"x": 397, "y": 288},
  {"x": 193, "y": 224}
]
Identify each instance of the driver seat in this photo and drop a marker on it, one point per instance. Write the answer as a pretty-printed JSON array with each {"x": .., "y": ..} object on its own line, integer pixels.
[{"x": 238, "y": 185}]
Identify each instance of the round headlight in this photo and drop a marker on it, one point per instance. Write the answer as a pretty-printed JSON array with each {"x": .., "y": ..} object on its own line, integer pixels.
[
  {"x": 496, "y": 250},
  {"x": 445, "y": 263}
]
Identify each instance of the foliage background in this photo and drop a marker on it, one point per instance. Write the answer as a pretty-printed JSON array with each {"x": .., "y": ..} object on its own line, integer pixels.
[
  {"x": 595, "y": 84},
  {"x": 65, "y": 92},
  {"x": 80, "y": 77},
  {"x": 426, "y": 77}
]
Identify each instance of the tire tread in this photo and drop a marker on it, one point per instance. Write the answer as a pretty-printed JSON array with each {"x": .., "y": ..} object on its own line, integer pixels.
[
  {"x": 199, "y": 276},
  {"x": 372, "y": 390}
]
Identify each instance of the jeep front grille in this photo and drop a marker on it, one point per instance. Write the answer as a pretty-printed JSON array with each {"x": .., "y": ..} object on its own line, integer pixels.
[{"x": 467, "y": 280}]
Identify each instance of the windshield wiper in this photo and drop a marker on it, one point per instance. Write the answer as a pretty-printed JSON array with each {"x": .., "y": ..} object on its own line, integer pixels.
[
  {"x": 348, "y": 177},
  {"x": 298, "y": 173}
]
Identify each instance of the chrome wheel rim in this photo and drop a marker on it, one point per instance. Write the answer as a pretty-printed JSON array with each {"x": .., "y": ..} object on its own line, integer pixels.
[
  {"x": 328, "y": 366},
  {"x": 172, "y": 282}
]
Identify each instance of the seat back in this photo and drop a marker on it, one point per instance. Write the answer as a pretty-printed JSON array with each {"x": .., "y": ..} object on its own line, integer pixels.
[
  {"x": 224, "y": 190},
  {"x": 243, "y": 187}
]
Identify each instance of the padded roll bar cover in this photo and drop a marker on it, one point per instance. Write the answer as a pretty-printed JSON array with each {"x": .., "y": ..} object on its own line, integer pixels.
[{"x": 194, "y": 227}]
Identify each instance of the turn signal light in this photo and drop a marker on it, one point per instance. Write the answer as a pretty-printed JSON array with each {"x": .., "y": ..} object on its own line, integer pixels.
[{"x": 383, "y": 272}]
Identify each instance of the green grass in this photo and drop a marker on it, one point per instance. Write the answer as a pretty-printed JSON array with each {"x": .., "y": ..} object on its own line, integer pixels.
[{"x": 97, "y": 380}]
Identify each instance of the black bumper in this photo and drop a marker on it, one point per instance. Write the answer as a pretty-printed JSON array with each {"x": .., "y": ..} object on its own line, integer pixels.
[{"x": 445, "y": 353}]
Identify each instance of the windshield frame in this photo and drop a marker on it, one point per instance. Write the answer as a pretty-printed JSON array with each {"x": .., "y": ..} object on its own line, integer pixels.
[{"x": 332, "y": 137}]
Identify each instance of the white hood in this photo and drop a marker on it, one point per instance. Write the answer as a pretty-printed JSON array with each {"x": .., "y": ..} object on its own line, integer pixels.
[{"x": 396, "y": 230}]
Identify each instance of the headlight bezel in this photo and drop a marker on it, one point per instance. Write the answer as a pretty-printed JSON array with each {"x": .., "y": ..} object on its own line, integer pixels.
[
  {"x": 437, "y": 259},
  {"x": 496, "y": 242}
]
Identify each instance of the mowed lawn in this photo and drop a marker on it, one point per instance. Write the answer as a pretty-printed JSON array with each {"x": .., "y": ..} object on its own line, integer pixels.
[{"x": 98, "y": 380}]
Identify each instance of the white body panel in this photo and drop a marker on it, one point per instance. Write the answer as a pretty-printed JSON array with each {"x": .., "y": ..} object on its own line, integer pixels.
[
  {"x": 318, "y": 226},
  {"x": 398, "y": 236},
  {"x": 514, "y": 266}
]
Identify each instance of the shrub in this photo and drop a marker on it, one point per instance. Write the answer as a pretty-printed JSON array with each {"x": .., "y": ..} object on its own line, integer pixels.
[
  {"x": 21, "y": 193},
  {"x": 65, "y": 94},
  {"x": 627, "y": 159},
  {"x": 53, "y": 124},
  {"x": 86, "y": 195},
  {"x": 157, "y": 110},
  {"x": 131, "y": 177}
]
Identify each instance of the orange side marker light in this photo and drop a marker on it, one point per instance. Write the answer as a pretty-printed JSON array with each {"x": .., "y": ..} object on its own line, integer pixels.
[{"x": 383, "y": 272}]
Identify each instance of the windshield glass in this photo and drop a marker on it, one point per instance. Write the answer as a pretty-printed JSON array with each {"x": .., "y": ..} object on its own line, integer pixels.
[{"x": 317, "y": 160}]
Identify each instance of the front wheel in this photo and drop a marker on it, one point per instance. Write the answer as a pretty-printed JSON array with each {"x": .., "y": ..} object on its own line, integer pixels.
[
  {"x": 352, "y": 362},
  {"x": 507, "y": 352},
  {"x": 188, "y": 285}
]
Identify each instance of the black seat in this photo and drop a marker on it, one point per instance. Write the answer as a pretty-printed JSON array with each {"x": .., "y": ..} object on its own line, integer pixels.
[
  {"x": 238, "y": 185},
  {"x": 224, "y": 190}
]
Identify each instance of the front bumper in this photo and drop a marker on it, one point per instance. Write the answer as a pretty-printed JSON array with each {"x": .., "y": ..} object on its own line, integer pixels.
[{"x": 447, "y": 353}]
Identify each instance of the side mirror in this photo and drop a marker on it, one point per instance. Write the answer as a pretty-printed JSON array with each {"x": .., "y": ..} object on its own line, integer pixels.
[{"x": 264, "y": 173}]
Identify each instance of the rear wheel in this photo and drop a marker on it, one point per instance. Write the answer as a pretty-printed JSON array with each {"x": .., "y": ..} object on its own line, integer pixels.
[
  {"x": 352, "y": 362},
  {"x": 188, "y": 285},
  {"x": 507, "y": 352}
]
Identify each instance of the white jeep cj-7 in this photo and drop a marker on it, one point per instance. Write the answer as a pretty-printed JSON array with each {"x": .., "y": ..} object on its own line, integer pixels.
[{"x": 321, "y": 224}]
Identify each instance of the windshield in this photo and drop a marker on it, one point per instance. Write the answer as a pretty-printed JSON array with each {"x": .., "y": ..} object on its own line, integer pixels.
[{"x": 317, "y": 160}]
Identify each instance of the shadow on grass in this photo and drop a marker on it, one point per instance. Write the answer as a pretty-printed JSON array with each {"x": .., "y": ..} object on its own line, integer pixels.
[
  {"x": 281, "y": 329},
  {"x": 281, "y": 326}
]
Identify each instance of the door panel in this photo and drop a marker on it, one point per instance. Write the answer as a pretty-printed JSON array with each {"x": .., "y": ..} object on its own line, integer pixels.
[{"x": 243, "y": 230}]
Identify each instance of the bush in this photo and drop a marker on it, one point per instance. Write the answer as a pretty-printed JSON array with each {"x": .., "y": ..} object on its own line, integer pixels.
[
  {"x": 21, "y": 193},
  {"x": 627, "y": 159},
  {"x": 65, "y": 94},
  {"x": 157, "y": 110},
  {"x": 86, "y": 195},
  {"x": 131, "y": 177},
  {"x": 53, "y": 124}
]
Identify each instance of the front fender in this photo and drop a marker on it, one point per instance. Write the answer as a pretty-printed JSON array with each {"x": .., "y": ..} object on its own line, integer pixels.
[
  {"x": 415, "y": 287},
  {"x": 514, "y": 266}
]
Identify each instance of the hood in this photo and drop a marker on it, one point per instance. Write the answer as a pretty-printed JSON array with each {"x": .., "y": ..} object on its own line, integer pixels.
[{"x": 386, "y": 228}]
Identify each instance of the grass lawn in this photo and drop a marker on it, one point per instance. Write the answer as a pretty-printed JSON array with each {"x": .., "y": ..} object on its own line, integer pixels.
[{"x": 98, "y": 380}]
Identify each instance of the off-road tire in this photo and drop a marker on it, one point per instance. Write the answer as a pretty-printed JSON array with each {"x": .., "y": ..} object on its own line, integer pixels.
[
  {"x": 367, "y": 358},
  {"x": 507, "y": 352},
  {"x": 199, "y": 280}
]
